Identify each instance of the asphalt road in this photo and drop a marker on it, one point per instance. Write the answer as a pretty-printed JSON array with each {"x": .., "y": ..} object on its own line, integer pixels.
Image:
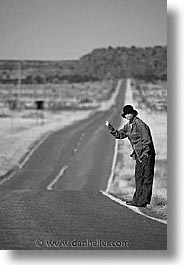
[{"x": 53, "y": 201}]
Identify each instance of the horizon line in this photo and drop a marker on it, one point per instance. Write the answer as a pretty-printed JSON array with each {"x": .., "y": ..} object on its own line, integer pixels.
[{"x": 69, "y": 60}]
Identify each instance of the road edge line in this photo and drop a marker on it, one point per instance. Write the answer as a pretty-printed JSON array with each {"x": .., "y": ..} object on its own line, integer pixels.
[
  {"x": 133, "y": 208},
  {"x": 115, "y": 154},
  {"x": 29, "y": 154},
  {"x": 113, "y": 166},
  {"x": 20, "y": 165}
]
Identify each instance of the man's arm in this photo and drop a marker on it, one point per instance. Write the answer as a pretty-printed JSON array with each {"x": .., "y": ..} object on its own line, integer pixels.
[{"x": 121, "y": 134}]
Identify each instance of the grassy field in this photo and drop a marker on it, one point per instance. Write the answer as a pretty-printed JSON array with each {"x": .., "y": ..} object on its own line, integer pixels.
[
  {"x": 58, "y": 96},
  {"x": 123, "y": 185}
]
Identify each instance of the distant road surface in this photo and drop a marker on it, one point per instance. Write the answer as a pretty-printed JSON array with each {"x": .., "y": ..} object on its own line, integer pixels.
[{"x": 54, "y": 200}]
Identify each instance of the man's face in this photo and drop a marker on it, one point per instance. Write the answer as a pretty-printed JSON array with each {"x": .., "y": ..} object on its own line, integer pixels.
[{"x": 129, "y": 116}]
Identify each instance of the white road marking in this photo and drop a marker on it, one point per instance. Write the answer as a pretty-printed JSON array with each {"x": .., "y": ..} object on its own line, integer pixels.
[
  {"x": 81, "y": 137},
  {"x": 60, "y": 174},
  {"x": 113, "y": 166},
  {"x": 78, "y": 143},
  {"x": 7, "y": 178},
  {"x": 133, "y": 208},
  {"x": 32, "y": 151}
]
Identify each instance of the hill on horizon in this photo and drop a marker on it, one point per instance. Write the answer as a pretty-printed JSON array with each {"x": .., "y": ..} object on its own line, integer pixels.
[{"x": 149, "y": 63}]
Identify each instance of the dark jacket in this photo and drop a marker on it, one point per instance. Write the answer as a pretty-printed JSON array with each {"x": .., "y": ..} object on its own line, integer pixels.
[{"x": 139, "y": 136}]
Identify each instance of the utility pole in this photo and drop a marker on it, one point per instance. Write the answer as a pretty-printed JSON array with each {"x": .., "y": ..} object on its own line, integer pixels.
[
  {"x": 34, "y": 84},
  {"x": 44, "y": 96},
  {"x": 19, "y": 85}
]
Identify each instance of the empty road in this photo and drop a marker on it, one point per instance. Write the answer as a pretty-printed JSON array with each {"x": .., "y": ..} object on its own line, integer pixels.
[{"x": 54, "y": 200}]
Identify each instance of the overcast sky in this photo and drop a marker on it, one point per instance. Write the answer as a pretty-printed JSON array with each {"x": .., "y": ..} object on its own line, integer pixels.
[{"x": 68, "y": 29}]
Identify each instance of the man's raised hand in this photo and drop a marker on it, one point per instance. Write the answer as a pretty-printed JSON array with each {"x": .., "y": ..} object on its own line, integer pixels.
[{"x": 107, "y": 123}]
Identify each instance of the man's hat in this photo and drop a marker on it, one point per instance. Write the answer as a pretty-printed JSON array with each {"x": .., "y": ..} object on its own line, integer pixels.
[{"x": 128, "y": 109}]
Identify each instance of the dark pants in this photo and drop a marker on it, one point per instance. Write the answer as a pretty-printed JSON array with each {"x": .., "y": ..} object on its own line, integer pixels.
[{"x": 144, "y": 179}]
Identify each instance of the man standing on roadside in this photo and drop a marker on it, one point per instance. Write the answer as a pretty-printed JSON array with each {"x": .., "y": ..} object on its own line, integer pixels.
[{"x": 140, "y": 138}]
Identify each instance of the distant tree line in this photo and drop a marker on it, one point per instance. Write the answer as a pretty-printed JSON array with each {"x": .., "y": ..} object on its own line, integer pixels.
[
  {"x": 52, "y": 79},
  {"x": 149, "y": 63}
]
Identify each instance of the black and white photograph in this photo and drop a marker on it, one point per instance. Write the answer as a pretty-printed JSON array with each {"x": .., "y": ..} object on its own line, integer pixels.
[{"x": 83, "y": 125}]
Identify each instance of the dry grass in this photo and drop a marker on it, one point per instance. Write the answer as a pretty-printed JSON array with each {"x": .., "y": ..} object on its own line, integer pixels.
[{"x": 74, "y": 94}]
